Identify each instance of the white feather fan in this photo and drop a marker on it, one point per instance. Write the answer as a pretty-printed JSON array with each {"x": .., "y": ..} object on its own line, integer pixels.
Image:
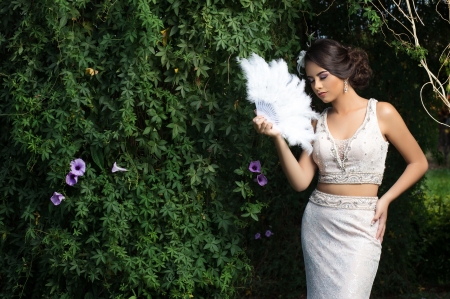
[{"x": 280, "y": 97}]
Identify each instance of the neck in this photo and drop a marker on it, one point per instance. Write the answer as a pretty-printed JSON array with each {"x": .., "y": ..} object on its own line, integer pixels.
[{"x": 348, "y": 102}]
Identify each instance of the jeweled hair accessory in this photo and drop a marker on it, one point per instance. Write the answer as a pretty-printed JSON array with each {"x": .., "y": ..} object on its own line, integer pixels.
[
  {"x": 301, "y": 61},
  {"x": 280, "y": 97}
]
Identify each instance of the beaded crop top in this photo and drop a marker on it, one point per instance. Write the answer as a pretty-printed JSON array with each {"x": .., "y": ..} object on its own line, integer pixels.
[{"x": 357, "y": 160}]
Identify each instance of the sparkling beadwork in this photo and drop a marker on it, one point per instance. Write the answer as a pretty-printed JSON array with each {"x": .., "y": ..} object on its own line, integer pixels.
[
  {"x": 344, "y": 202},
  {"x": 351, "y": 178},
  {"x": 341, "y": 147},
  {"x": 346, "y": 161}
]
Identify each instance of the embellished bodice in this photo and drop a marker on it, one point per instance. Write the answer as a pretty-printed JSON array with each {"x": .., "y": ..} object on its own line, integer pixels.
[{"x": 357, "y": 160}]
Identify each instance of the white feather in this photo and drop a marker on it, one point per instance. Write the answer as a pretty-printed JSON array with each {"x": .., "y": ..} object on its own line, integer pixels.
[{"x": 280, "y": 97}]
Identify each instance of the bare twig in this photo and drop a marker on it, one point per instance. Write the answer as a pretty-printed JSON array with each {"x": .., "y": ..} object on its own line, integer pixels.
[
  {"x": 387, "y": 11},
  {"x": 318, "y": 14},
  {"x": 411, "y": 39},
  {"x": 445, "y": 2}
]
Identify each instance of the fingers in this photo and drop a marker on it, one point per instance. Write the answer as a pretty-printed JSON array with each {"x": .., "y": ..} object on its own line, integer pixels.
[
  {"x": 266, "y": 127},
  {"x": 257, "y": 123},
  {"x": 258, "y": 119},
  {"x": 380, "y": 230},
  {"x": 262, "y": 125},
  {"x": 381, "y": 227},
  {"x": 380, "y": 233},
  {"x": 375, "y": 218}
]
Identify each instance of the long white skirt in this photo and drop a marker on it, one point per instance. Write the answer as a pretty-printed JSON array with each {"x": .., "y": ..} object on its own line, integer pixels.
[{"x": 339, "y": 246}]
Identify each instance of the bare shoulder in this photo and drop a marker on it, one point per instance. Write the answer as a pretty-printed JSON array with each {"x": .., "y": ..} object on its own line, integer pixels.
[
  {"x": 390, "y": 121},
  {"x": 386, "y": 111}
]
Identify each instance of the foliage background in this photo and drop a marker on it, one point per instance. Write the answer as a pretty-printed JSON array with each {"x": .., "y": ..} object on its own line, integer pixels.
[
  {"x": 148, "y": 84},
  {"x": 154, "y": 85}
]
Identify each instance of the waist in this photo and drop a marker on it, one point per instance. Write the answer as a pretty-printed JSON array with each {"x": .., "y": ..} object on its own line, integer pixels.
[
  {"x": 365, "y": 190},
  {"x": 343, "y": 201}
]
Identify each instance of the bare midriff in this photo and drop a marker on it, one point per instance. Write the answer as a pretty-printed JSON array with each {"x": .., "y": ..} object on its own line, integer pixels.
[{"x": 349, "y": 190}]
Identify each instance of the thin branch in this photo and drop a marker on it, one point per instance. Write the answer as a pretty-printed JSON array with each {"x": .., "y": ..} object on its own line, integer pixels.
[
  {"x": 403, "y": 13},
  {"x": 445, "y": 60},
  {"x": 445, "y": 2},
  {"x": 417, "y": 14},
  {"x": 413, "y": 24},
  {"x": 412, "y": 17},
  {"x": 421, "y": 99},
  {"x": 433, "y": 79},
  {"x": 384, "y": 8},
  {"x": 397, "y": 35},
  {"x": 325, "y": 9}
]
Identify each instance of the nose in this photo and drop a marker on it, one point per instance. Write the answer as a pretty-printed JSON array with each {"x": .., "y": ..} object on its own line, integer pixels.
[{"x": 317, "y": 84}]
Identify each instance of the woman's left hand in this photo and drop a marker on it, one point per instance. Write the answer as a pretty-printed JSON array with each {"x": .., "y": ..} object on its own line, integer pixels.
[{"x": 381, "y": 216}]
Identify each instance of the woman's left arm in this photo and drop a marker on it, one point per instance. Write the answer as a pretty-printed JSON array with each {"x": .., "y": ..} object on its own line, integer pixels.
[{"x": 394, "y": 128}]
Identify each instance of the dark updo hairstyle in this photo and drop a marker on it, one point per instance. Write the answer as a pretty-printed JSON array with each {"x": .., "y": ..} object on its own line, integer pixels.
[{"x": 343, "y": 62}]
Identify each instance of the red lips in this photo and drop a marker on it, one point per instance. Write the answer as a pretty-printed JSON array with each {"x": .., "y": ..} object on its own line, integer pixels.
[{"x": 322, "y": 94}]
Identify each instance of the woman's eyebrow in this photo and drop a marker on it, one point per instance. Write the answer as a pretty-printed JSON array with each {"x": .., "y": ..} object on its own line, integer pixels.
[{"x": 317, "y": 74}]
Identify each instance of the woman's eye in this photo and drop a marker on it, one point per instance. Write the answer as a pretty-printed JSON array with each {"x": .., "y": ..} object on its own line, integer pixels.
[
  {"x": 310, "y": 81},
  {"x": 323, "y": 77}
]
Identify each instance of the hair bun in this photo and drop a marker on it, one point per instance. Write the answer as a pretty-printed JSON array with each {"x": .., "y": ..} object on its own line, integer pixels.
[
  {"x": 343, "y": 62},
  {"x": 361, "y": 70}
]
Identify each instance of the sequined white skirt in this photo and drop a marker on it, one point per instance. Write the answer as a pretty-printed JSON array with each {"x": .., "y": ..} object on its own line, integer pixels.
[{"x": 339, "y": 246}]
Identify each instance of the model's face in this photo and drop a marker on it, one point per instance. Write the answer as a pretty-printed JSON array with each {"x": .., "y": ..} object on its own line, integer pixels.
[{"x": 325, "y": 85}]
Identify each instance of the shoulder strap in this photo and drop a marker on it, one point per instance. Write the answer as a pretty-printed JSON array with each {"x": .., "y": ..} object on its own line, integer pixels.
[
  {"x": 320, "y": 120},
  {"x": 373, "y": 104}
]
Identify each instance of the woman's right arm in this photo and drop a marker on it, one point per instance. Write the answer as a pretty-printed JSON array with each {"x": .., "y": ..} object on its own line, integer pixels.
[{"x": 299, "y": 173}]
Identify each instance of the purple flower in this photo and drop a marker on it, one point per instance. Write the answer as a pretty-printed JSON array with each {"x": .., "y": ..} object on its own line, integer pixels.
[
  {"x": 57, "y": 198},
  {"x": 117, "y": 168},
  {"x": 257, "y": 236},
  {"x": 77, "y": 167},
  {"x": 71, "y": 179},
  {"x": 262, "y": 180},
  {"x": 255, "y": 166},
  {"x": 268, "y": 233}
]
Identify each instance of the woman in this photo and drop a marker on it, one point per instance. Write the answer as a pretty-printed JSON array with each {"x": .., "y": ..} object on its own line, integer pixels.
[{"x": 344, "y": 221}]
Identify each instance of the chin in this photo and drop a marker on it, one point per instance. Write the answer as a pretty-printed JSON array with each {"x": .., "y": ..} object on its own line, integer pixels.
[{"x": 325, "y": 100}]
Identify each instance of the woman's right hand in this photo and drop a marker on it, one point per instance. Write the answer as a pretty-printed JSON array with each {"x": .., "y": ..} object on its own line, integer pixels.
[{"x": 262, "y": 126}]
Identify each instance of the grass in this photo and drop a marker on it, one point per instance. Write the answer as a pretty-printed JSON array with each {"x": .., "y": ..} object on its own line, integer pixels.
[
  {"x": 437, "y": 191},
  {"x": 437, "y": 200},
  {"x": 427, "y": 296},
  {"x": 426, "y": 292},
  {"x": 438, "y": 182}
]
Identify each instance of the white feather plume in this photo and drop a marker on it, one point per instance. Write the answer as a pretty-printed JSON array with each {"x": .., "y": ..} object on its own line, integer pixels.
[{"x": 281, "y": 98}]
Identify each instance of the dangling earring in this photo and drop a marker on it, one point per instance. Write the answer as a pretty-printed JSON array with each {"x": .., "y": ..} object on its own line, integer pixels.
[{"x": 345, "y": 86}]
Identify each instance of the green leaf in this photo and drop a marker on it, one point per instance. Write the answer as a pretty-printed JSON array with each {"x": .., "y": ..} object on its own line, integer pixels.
[
  {"x": 146, "y": 131},
  {"x": 97, "y": 156},
  {"x": 239, "y": 172},
  {"x": 63, "y": 21}
]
